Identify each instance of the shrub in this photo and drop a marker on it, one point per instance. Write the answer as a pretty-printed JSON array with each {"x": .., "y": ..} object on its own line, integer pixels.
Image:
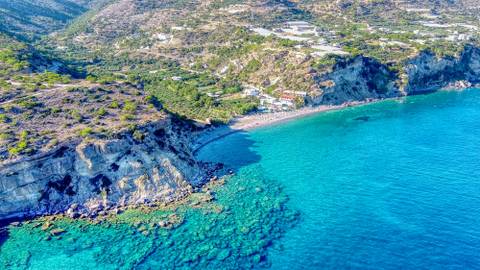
[
  {"x": 126, "y": 117},
  {"x": 114, "y": 105},
  {"x": 21, "y": 145},
  {"x": 4, "y": 136},
  {"x": 153, "y": 100},
  {"x": 138, "y": 135},
  {"x": 85, "y": 132},
  {"x": 3, "y": 118},
  {"x": 28, "y": 104},
  {"x": 76, "y": 115},
  {"x": 23, "y": 135},
  {"x": 4, "y": 85},
  {"x": 55, "y": 110},
  {"x": 129, "y": 106},
  {"x": 253, "y": 66},
  {"x": 101, "y": 112}
]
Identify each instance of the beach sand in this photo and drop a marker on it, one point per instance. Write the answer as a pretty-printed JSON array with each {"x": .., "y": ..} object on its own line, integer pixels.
[{"x": 253, "y": 121}]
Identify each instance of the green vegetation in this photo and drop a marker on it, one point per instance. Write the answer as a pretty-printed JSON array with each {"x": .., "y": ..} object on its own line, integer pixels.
[
  {"x": 21, "y": 145},
  {"x": 11, "y": 61},
  {"x": 101, "y": 112},
  {"x": 17, "y": 18},
  {"x": 129, "y": 106},
  {"x": 114, "y": 68},
  {"x": 51, "y": 78},
  {"x": 127, "y": 117},
  {"x": 138, "y": 135},
  {"x": 252, "y": 66},
  {"x": 325, "y": 62},
  {"x": 114, "y": 105},
  {"x": 189, "y": 96},
  {"x": 3, "y": 118},
  {"x": 77, "y": 116},
  {"x": 85, "y": 132}
]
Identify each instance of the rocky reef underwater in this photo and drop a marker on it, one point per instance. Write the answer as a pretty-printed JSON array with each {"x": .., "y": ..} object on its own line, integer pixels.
[{"x": 229, "y": 224}]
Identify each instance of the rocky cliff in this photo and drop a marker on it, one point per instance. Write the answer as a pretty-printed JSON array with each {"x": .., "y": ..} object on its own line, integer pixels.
[
  {"x": 427, "y": 72},
  {"x": 356, "y": 79},
  {"x": 89, "y": 176},
  {"x": 362, "y": 78}
]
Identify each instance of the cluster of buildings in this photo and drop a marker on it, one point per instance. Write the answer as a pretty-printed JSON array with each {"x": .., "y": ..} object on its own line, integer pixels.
[
  {"x": 285, "y": 102},
  {"x": 451, "y": 31},
  {"x": 309, "y": 35}
]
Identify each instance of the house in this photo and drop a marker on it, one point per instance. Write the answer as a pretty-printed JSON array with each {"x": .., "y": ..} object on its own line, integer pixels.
[
  {"x": 295, "y": 93},
  {"x": 287, "y": 100},
  {"x": 214, "y": 95}
]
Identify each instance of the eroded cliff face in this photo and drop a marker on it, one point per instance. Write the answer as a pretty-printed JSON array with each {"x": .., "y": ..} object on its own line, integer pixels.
[
  {"x": 356, "y": 79},
  {"x": 427, "y": 73},
  {"x": 470, "y": 63},
  {"x": 87, "y": 177},
  {"x": 363, "y": 79}
]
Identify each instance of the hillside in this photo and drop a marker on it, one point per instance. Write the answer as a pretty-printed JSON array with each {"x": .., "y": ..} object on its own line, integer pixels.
[
  {"x": 29, "y": 19},
  {"x": 211, "y": 61},
  {"x": 219, "y": 48}
]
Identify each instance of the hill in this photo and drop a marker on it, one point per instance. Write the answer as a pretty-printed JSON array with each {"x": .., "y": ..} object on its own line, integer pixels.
[
  {"x": 215, "y": 49},
  {"x": 211, "y": 61},
  {"x": 29, "y": 19}
]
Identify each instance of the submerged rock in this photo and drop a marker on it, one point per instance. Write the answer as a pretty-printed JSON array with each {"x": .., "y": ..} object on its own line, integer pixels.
[
  {"x": 57, "y": 232},
  {"x": 362, "y": 118},
  {"x": 46, "y": 226}
]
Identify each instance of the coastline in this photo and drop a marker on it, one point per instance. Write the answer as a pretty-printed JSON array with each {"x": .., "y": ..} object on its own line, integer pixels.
[{"x": 259, "y": 120}]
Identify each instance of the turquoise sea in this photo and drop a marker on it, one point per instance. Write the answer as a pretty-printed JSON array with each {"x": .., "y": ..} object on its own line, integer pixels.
[{"x": 391, "y": 185}]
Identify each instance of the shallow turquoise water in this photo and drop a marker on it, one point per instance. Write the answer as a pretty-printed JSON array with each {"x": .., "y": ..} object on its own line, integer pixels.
[
  {"x": 393, "y": 185},
  {"x": 234, "y": 231}
]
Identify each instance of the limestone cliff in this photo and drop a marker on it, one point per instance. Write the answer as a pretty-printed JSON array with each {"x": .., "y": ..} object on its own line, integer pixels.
[
  {"x": 362, "y": 78},
  {"x": 427, "y": 72},
  {"x": 356, "y": 79},
  {"x": 98, "y": 174}
]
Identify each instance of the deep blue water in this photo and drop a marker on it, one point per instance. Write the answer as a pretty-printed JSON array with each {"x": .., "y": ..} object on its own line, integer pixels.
[{"x": 392, "y": 185}]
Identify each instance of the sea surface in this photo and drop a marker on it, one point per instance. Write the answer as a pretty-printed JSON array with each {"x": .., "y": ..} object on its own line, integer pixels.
[{"x": 390, "y": 185}]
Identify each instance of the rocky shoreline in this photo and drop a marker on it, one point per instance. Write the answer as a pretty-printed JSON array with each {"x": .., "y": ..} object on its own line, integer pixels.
[
  {"x": 92, "y": 177},
  {"x": 87, "y": 178}
]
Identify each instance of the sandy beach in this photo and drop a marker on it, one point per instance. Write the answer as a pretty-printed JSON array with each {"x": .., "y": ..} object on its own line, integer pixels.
[{"x": 253, "y": 121}]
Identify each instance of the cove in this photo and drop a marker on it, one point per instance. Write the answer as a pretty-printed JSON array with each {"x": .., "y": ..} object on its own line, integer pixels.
[{"x": 391, "y": 185}]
